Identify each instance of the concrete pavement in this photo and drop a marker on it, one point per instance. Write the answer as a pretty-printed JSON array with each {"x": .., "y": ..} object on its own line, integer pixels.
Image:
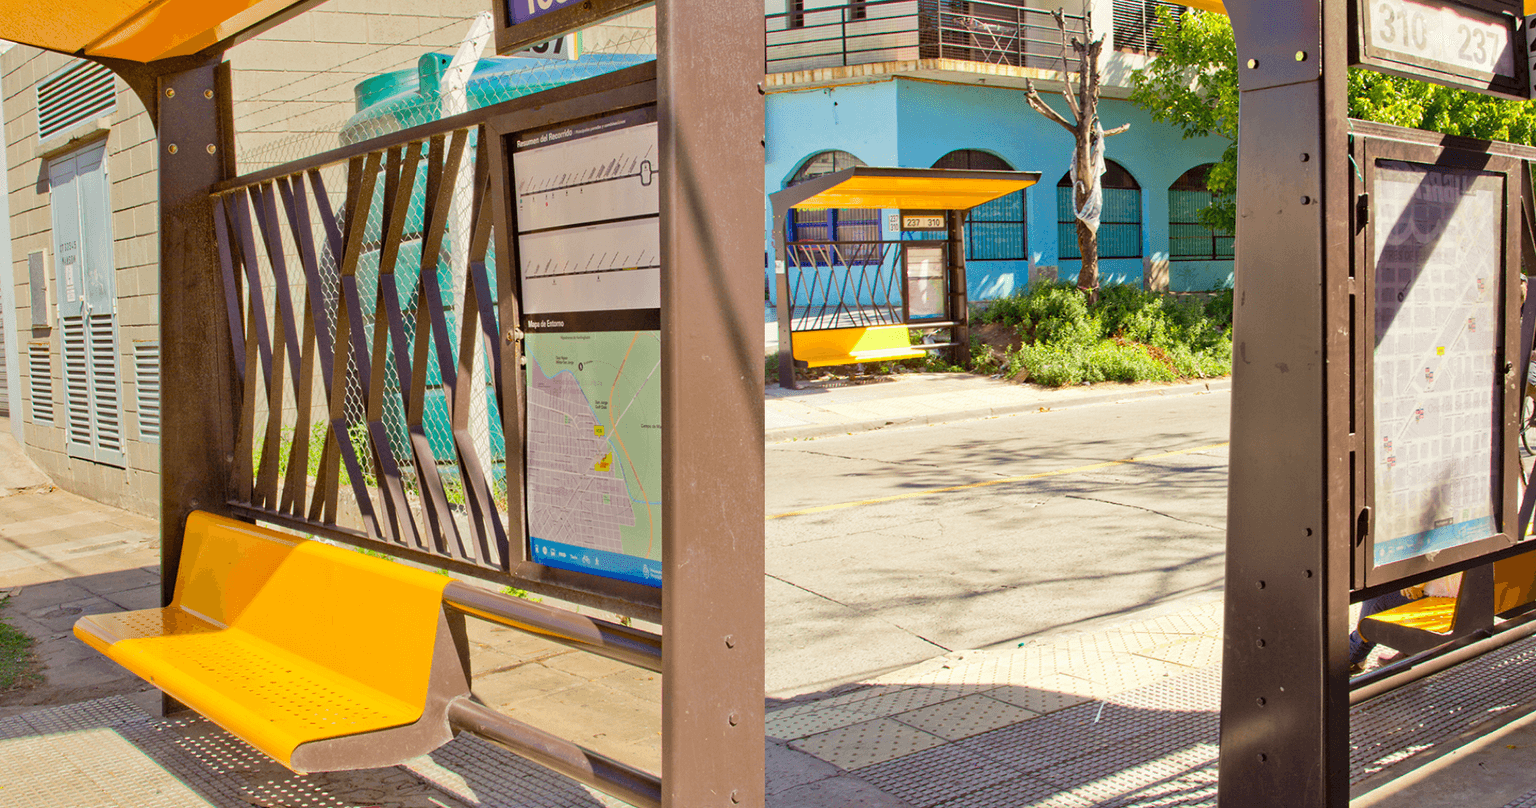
[{"x": 1122, "y": 712}]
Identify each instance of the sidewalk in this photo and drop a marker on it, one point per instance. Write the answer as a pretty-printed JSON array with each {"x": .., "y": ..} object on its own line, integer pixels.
[
  {"x": 1124, "y": 713},
  {"x": 818, "y": 409}
]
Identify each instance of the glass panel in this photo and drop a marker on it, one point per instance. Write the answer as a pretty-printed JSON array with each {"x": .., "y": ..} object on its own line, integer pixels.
[{"x": 1437, "y": 282}]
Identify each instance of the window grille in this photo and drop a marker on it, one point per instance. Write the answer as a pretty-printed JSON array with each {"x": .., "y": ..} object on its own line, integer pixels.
[
  {"x": 998, "y": 230},
  {"x": 1137, "y": 25},
  {"x": 81, "y": 92},
  {"x": 1188, "y": 239},
  {"x": 1119, "y": 223},
  {"x": 838, "y": 224}
]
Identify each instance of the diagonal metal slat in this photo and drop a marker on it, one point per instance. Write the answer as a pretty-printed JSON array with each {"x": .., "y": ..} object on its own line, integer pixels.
[{"x": 397, "y": 508}]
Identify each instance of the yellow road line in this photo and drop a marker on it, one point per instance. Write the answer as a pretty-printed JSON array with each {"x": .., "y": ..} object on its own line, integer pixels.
[{"x": 986, "y": 483}]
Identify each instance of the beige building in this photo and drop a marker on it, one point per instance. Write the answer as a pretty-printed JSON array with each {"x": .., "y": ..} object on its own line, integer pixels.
[{"x": 78, "y": 297}]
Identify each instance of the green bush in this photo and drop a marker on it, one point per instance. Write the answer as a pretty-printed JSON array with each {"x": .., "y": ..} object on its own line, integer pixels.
[{"x": 1127, "y": 335}]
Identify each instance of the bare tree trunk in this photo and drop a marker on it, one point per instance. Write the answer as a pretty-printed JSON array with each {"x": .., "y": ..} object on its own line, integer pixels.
[
  {"x": 1087, "y": 135},
  {"x": 1088, "y": 276}
]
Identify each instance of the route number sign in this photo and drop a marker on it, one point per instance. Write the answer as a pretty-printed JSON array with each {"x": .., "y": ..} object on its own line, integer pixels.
[
  {"x": 1477, "y": 46},
  {"x": 924, "y": 220}
]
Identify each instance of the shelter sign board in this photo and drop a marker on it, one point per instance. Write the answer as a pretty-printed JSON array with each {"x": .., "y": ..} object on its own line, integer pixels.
[
  {"x": 520, "y": 11},
  {"x": 1438, "y": 260},
  {"x": 1471, "y": 45},
  {"x": 589, "y": 243}
]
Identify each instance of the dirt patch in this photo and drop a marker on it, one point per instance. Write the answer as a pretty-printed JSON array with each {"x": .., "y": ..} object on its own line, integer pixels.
[{"x": 998, "y": 340}]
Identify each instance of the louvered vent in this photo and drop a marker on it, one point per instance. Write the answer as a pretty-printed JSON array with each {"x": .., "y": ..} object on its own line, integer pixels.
[
  {"x": 40, "y": 369},
  {"x": 146, "y": 376},
  {"x": 109, "y": 407},
  {"x": 1137, "y": 25},
  {"x": 77, "y": 382},
  {"x": 82, "y": 92}
]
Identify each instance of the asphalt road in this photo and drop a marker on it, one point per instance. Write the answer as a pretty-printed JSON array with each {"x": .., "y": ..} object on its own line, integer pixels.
[{"x": 891, "y": 547}]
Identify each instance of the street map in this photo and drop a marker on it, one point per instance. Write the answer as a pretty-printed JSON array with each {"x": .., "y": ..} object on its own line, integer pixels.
[
  {"x": 590, "y": 271},
  {"x": 1438, "y": 242},
  {"x": 594, "y": 452}
]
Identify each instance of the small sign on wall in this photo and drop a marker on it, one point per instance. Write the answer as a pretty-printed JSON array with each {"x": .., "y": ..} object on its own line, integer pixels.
[{"x": 924, "y": 220}]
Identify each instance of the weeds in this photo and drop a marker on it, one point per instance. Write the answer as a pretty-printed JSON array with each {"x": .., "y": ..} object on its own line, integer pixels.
[
  {"x": 15, "y": 656},
  {"x": 1128, "y": 335}
]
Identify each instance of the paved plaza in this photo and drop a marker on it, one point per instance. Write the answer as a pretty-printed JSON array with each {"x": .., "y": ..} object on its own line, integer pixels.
[{"x": 1122, "y": 712}]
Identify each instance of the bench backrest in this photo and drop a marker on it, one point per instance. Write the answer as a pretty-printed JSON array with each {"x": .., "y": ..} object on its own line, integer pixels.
[
  {"x": 847, "y": 340},
  {"x": 370, "y": 619},
  {"x": 1514, "y": 582}
]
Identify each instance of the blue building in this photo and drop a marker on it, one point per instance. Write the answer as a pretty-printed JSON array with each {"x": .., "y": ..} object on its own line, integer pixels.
[{"x": 928, "y": 83}]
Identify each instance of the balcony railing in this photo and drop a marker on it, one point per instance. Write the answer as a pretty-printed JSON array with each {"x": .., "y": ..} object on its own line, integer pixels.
[{"x": 867, "y": 31}]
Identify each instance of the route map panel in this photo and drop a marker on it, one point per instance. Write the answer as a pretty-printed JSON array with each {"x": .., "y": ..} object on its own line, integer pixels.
[
  {"x": 587, "y": 215},
  {"x": 1437, "y": 323},
  {"x": 589, "y": 249}
]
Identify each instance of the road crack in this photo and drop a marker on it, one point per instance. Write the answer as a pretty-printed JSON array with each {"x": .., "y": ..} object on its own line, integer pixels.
[
  {"x": 862, "y": 611},
  {"x": 1142, "y": 508}
]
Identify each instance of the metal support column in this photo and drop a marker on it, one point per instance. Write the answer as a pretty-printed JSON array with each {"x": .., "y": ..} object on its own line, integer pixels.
[
  {"x": 959, "y": 291},
  {"x": 711, "y": 127},
  {"x": 786, "y": 306},
  {"x": 1285, "y": 690},
  {"x": 196, "y": 381}
]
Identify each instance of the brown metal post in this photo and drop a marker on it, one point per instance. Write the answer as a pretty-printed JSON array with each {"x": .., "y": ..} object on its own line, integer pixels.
[
  {"x": 786, "y": 307},
  {"x": 711, "y": 128},
  {"x": 196, "y": 377},
  {"x": 959, "y": 292},
  {"x": 1285, "y": 692}
]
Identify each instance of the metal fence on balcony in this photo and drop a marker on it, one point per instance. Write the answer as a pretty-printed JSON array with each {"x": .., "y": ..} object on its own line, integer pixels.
[{"x": 867, "y": 31}]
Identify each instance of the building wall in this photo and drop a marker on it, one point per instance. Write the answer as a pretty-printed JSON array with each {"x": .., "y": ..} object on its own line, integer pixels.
[
  {"x": 293, "y": 89},
  {"x": 130, "y": 165},
  {"x": 912, "y": 123}
]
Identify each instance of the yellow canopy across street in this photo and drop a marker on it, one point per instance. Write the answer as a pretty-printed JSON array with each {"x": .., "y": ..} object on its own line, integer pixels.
[
  {"x": 1216, "y": 6},
  {"x": 911, "y": 188},
  {"x": 133, "y": 30}
]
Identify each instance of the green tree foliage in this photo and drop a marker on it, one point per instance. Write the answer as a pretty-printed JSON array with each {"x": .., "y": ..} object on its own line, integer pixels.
[{"x": 1193, "y": 85}]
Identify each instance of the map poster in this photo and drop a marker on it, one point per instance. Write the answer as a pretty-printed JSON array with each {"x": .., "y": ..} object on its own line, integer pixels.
[
  {"x": 589, "y": 261},
  {"x": 594, "y": 443},
  {"x": 1438, "y": 243}
]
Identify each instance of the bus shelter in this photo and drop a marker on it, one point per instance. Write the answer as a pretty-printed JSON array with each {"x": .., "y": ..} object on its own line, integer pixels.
[
  {"x": 844, "y": 302},
  {"x": 302, "y": 303}
]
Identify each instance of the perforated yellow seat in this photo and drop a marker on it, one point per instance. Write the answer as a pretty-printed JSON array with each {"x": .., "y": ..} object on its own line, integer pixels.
[
  {"x": 846, "y": 346},
  {"x": 308, "y": 652}
]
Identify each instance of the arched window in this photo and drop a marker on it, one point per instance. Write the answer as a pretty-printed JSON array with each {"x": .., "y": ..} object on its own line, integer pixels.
[
  {"x": 1188, "y": 239},
  {"x": 995, "y": 231},
  {"x": 840, "y": 224},
  {"x": 1119, "y": 223}
]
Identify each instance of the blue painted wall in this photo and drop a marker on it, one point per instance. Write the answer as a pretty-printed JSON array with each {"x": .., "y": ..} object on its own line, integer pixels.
[{"x": 903, "y": 122}]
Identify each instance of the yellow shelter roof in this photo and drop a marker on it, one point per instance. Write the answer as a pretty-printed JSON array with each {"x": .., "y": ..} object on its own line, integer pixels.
[
  {"x": 911, "y": 188},
  {"x": 1216, "y": 6},
  {"x": 133, "y": 30}
]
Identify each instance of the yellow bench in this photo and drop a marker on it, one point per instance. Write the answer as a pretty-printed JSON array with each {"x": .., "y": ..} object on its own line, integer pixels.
[
  {"x": 846, "y": 346},
  {"x": 1428, "y": 622},
  {"x": 320, "y": 657}
]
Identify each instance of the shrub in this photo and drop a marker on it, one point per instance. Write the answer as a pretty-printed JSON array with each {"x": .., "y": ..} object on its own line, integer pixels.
[{"x": 1128, "y": 335}]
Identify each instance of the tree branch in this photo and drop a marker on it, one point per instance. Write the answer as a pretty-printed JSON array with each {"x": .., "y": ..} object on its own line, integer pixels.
[
  {"x": 1038, "y": 104},
  {"x": 1066, "y": 84},
  {"x": 1117, "y": 130}
]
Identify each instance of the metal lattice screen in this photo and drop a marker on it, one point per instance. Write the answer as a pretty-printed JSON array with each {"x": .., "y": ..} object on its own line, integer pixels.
[{"x": 351, "y": 95}]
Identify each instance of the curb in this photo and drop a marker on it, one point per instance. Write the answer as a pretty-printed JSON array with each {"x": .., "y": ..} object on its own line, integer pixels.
[{"x": 827, "y": 430}]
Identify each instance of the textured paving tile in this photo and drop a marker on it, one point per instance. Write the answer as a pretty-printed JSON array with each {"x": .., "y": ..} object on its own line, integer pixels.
[
  {"x": 811, "y": 722},
  {"x": 1191, "y": 653},
  {"x": 1051, "y": 693},
  {"x": 964, "y": 717},
  {"x": 866, "y": 744},
  {"x": 932, "y": 776}
]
